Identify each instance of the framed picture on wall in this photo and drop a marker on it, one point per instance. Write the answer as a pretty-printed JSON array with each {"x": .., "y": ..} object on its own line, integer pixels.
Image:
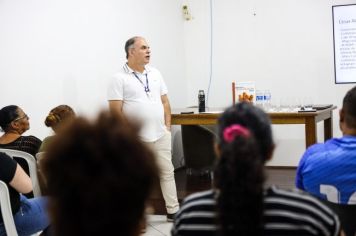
[{"x": 344, "y": 33}]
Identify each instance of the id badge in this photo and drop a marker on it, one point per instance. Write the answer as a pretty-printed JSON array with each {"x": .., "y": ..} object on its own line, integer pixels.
[{"x": 149, "y": 95}]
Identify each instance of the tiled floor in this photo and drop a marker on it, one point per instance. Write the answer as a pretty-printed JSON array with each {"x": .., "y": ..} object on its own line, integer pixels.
[{"x": 157, "y": 225}]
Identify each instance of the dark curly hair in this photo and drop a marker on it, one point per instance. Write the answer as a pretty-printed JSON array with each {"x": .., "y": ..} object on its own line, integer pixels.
[
  {"x": 7, "y": 115},
  {"x": 240, "y": 170},
  {"x": 99, "y": 177}
]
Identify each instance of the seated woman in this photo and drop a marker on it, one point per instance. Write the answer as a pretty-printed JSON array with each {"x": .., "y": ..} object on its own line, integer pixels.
[
  {"x": 99, "y": 177},
  {"x": 14, "y": 122},
  {"x": 56, "y": 118},
  {"x": 239, "y": 204},
  {"x": 30, "y": 215}
]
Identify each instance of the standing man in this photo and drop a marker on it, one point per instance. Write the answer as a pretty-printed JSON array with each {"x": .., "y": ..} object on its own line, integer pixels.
[{"x": 139, "y": 92}]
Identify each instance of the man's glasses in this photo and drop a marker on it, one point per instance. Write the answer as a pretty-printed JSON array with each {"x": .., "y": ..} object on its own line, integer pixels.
[{"x": 25, "y": 116}]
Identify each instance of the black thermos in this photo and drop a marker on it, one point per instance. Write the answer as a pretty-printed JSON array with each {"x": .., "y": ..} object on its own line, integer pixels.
[{"x": 201, "y": 99}]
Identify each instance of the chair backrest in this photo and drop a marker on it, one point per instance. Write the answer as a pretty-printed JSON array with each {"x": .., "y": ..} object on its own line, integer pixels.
[
  {"x": 6, "y": 211},
  {"x": 32, "y": 164},
  {"x": 347, "y": 216},
  {"x": 198, "y": 148}
]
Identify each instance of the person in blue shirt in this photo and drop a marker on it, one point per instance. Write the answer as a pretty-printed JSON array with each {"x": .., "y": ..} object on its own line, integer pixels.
[{"x": 328, "y": 170}]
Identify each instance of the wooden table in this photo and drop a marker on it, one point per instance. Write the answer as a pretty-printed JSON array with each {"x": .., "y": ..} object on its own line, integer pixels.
[{"x": 309, "y": 119}]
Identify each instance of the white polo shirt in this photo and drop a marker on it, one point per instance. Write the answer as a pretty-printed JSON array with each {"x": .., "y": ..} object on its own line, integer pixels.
[{"x": 139, "y": 105}]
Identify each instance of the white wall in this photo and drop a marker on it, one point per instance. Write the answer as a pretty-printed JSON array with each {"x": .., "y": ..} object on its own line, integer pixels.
[
  {"x": 54, "y": 52},
  {"x": 285, "y": 46}
]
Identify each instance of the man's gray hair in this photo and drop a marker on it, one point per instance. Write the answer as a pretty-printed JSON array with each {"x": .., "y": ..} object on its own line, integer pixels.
[{"x": 130, "y": 44}]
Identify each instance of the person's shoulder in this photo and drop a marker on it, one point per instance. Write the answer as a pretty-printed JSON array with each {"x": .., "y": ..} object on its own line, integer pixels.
[
  {"x": 6, "y": 161},
  {"x": 32, "y": 138},
  {"x": 319, "y": 151},
  {"x": 274, "y": 191},
  {"x": 119, "y": 74},
  {"x": 4, "y": 158},
  {"x": 346, "y": 142},
  {"x": 300, "y": 208},
  {"x": 316, "y": 148},
  {"x": 330, "y": 144},
  {"x": 198, "y": 201},
  {"x": 31, "y": 144},
  {"x": 208, "y": 194},
  {"x": 48, "y": 138},
  {"x": 295, "y": 198},
  {"x": 46, "y": 141},
  {"x": 7, "y": 167},
  {"x": 314, "y": 152}
]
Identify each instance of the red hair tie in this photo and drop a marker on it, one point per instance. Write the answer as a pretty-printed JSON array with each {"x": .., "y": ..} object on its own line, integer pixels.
[{"x": 235, "y": 130}]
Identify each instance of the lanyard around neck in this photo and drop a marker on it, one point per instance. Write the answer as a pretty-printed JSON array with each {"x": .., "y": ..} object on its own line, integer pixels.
[{"x": 147, "y": 87}]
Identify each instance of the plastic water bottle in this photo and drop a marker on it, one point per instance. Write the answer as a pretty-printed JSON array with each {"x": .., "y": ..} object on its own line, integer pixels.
[
  {"x": 259, "y": 98},
  {"x": 201, "y": 100},
  {"x": 267, "y": 100}
]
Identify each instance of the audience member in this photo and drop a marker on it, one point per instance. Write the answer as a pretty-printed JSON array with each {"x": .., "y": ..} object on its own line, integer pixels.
[
  {"x": 99, "y": 178},
  {"x": 238, "y": 203},
  {"x": 14, "y": 122},
  {"x": 56, "y": 118},
  {"x": 30, "y": 215},
  {"x": 327, "y": 170}
]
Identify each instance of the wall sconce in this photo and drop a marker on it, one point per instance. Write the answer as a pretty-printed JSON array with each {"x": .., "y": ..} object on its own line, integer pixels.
[{"x": 186, "y": 13}]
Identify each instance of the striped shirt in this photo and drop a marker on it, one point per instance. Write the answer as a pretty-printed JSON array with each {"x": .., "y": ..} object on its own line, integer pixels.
[{"x": 285, "y": 213}]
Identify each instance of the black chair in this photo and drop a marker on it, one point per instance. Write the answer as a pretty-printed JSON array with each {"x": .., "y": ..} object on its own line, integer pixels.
[
  {"x": 347, "y": 216},
  {"x": 198, "y": 149}
]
